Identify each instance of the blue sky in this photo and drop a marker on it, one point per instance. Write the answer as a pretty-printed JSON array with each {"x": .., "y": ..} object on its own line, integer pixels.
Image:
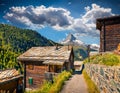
[{"x": 55, "y": 19}]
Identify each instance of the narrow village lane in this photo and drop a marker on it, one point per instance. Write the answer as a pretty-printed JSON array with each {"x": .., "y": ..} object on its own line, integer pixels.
[{"x": 76, "y": 84}]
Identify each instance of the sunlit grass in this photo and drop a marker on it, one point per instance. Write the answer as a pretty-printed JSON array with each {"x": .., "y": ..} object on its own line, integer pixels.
[
  {"x": 59, "y": 82},
  {"x": 56, "y": 87},
  {"x": 92, "y": 88},
  {"x": 108, "y": 59}
]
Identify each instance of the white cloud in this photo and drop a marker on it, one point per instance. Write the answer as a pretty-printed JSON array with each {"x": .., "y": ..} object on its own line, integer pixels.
[
  {"x": 58, "y": 18},
  {"x": 86, "y": 25},
  {"x": 87, "y": 8},
  {"x": 41, "y": 16},
  {"x": 95, "y": 12}
]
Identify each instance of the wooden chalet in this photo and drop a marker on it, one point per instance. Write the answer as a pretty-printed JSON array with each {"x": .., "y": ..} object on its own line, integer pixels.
[
  {"x": 10, "y": 80},
  {"x": 38, "y": 61},
  {"x": 109, "y": 33}
]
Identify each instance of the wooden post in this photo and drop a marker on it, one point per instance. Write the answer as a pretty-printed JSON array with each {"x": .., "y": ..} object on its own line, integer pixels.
[
  {"x": 104, "y": 42},
  {"x": 24, "y": 77},
  {"x": 48, "y": 68},
  {"x": 88, "y": 51}
]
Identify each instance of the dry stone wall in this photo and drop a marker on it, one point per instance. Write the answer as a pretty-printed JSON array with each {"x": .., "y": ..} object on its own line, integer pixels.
[{"x": 107, "y": 78}]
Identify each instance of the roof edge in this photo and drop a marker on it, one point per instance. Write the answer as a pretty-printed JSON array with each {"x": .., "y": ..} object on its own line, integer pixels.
[{"x": 107, "y": 21}]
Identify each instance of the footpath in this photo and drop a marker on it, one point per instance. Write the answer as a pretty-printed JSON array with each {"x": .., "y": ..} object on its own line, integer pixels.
[{"x": 76, "y": 84}]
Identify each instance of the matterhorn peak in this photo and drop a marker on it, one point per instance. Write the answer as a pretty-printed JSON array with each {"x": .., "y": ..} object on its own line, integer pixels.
[{"x": 71, "y": 39}]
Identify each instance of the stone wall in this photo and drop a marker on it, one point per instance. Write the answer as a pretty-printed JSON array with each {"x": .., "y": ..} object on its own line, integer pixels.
[{"x": 107, "y": 78}]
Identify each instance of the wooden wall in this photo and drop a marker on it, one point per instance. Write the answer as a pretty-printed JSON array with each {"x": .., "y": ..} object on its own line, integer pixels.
[
  {"x": 56, "y": 68},
  {"x": 112, "y": 37},
  {"x": 71, "y": 60},
  {"x": 10, "y": 85},
  {"x": 102, "y": 39},
  {"x": 37, "y": 73}
]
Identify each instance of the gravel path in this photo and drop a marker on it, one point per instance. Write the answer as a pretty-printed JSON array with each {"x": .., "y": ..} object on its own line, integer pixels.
[{"x": 76, "y": 84}]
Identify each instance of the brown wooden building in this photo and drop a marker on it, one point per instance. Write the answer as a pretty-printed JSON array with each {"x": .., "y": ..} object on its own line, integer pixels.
[
  {"x": 109, "y": 33},
  {"x": 41, "y": 60},
  {"x": 10, "y": 81}
]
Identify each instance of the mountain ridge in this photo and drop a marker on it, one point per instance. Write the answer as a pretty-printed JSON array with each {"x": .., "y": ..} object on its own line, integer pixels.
[
  {"x": 14, "y": 41},
  {"x": 72, "y": 40},
  {"x": 20, "y": 40}
]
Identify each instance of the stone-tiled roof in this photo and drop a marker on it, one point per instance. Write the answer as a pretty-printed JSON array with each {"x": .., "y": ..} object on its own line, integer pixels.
[
  {"x": 8, "y": 74},
  {"x": 52, "y": 62},
  {"x": 79, "y": 63},
  {"x": 46, "y": 53}
]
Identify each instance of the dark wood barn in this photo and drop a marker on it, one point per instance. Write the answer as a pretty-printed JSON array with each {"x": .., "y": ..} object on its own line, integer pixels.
[
  {"x": 38, "y": 61},
  {"x": 10, "y": 80},
  {"x": 109, "y": 33}
]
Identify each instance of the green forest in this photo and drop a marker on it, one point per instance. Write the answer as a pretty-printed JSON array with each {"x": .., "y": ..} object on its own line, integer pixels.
[{"x": 14, "y": 41}]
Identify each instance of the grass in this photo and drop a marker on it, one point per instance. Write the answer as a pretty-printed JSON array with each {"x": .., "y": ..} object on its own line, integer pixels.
[
  {"x": 56, "y": 87},
  {"x": 108, "y": 59},
  {"x": 44, "y": 89},
  {"x": 92, "y": 88},
  {"x": 59, "y": 82}
]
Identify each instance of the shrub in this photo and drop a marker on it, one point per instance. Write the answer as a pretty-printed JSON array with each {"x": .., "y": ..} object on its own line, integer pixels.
[
  {"x": 105, "y": 59},
  {"x": 59, "y": 80},
  {"x": 44, "y": 89}
]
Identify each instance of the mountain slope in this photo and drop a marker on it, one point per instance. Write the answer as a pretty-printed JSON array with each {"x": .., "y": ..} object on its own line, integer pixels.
[
  {"x": 14, "y": 41},
  {"x": 19, "y": 40},
  {"x": 80, "y": 48},
  {"x": 7, "y": 59},
  {"x": 71, "y": 39},
  {"x": 80, "y": 53}
]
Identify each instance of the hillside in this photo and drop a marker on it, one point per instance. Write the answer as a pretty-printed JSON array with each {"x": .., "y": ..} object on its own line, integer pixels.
[
  {"x": 19, "y": 40},
  {"x": 14, "y": 41},
  {"x": 80, "y": 53},
  {"x": 80, "y": 48},
  {"x": 8, "y": 59}
]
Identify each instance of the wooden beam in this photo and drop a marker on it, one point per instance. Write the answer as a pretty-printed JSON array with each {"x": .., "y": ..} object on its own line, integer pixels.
[
  {"x": 104, "y": 36},
  {"x": 24, "y": 77},
  {"x": 9, "y": 86},
  {"x": 108, "y": 21},
  {"x": 48, "y": 68}
]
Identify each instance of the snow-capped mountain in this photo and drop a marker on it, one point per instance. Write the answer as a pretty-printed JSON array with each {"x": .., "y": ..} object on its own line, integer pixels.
[
  {"x": 71, "y": 39},
  {"x": 95, "y": 46}
]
